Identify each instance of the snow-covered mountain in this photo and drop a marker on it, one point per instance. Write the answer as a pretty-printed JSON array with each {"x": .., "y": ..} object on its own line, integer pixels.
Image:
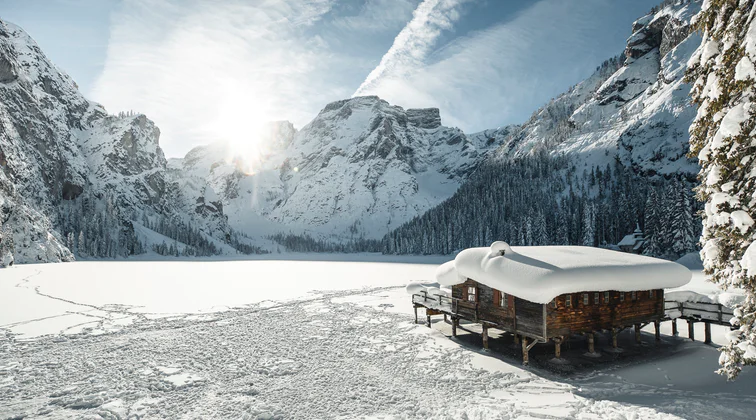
[
  {"x": 56, "y": 146},
  {"x": 359, "y": 169},
  {"x": 608, "y": 154},
  {"x": 74, "y": 179},
  {"x": 635, "y": 108}
]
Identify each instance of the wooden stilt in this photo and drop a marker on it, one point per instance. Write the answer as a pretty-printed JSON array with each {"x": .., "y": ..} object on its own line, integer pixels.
[
  {"x": 614, "y": 337},
  {"x": 455, "y": 322},
  {"x": 591, "y": 344},
  {"x": 674, "y": 327},
  {"x": 428, "y": 321},
  {"x": 637, "y": 333},
  {"x": 445, "y": 319},
  {"x": 707, "y": 332},
  {"x": 691, "y": 332},
  {"x": 517, "y": 339},
  {"x": 558, "y": 347},
  {"x": 525, "y": 350},
  {"x": 657, "y": 331},
  {"x": 485, "y": 336},
  {"x": 415, "y": 314}
]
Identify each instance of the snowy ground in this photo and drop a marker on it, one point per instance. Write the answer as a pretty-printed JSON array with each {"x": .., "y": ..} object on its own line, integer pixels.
[{"x": 296, "y": 339}]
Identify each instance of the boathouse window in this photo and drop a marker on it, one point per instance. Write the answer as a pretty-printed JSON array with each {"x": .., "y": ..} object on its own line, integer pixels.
[
  {"x": 650, "y": 294},
  {"x": 633, "y": 295},
  {"x": 622, "y": 296},
  {"x": 553, "y": 303},
  {"x": 586, "y": 299},
  {"x": 596, "y": 298},
  {"x": 606, "y": 297},
  {"x": 568, "y": 301},
  {"x": 503, "y": 300},
  {"x": 472, "y": 292}
]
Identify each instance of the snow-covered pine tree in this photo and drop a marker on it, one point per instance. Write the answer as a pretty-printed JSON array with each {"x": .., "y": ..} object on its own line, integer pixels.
[
  {"x": 683, "y": 228},
  {"x": 722, "y": 137},
  {"x": 6, "y": 246},
  {"x": 588, "y": 226},
  {"x": 651, "y": 224}
]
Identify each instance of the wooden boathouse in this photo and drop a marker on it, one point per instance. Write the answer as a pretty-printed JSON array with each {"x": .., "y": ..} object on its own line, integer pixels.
[{"x": 550, "y": 293}]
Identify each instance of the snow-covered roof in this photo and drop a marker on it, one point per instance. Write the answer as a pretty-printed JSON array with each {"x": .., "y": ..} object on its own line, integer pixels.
[
  {"x": 628, "y": 240},
  {"x": 541, "y": 273}
]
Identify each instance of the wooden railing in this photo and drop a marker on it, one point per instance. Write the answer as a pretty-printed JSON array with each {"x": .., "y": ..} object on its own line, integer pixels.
[
  {"x": 448, "y": 304},
  {"x": 712, "y": 312}
]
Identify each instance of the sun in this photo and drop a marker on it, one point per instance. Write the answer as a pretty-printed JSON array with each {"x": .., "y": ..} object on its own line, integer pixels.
[{"x": 242, "y": 123}]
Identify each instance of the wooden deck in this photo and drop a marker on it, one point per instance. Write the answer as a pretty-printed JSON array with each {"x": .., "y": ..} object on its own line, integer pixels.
[{"x": 708, "y": 313}]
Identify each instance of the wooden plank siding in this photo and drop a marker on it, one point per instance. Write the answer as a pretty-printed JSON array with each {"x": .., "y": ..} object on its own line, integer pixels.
[
  {"x": 488, "y": 305},
  {"x": 546, "y": 321},
  {"x": 529, "y": 318},
  {"x": 602, "y": 315}
]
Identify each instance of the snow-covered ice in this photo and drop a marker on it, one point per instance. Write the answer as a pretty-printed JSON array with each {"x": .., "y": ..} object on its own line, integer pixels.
[{"x": 296, "y": 339}]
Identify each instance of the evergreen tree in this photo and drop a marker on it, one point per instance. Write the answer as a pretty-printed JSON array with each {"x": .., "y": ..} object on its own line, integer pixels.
[
  {"x": 683, "y": 227},
  {"x": 6, "y": 246},
  {"x": 651, "y": 224},
  {"x": 723, "y": 76},
  {"x": 589, "y": 233}
]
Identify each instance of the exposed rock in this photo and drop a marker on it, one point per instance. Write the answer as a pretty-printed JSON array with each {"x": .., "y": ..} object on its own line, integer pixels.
[{"x": 428, "y": 118}]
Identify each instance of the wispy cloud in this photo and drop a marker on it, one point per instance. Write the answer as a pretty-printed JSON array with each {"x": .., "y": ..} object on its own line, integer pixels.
[
  {"x": 207, "y": 71},
  {"x": 503, "y": 73},
  {"x": 415, "y": 41},
  {"x": 377, "y": 16}
]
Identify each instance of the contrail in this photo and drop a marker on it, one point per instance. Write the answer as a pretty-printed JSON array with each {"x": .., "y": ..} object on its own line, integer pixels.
[{"x": 415, "y": 41}]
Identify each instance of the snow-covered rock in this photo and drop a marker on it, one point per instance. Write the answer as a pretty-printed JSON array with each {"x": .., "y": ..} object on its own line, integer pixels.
[
  {"x": 359, "y": 169},
  {"x": 60, "y": 151},
  {"x": 634, "y": 109}
]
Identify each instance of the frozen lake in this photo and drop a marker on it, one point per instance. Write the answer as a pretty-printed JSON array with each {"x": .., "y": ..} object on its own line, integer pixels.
[
  {"x": 301, "y": 339},
  {"x": 44, "y": 298}
]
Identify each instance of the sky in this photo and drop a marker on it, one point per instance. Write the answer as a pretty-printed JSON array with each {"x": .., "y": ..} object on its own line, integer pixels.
[{"x": 207, "y": 70}]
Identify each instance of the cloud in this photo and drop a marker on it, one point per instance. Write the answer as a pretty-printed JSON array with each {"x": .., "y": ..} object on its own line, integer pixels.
[
  {"x": 207, "y": 71},
  {"x": 377, "y": 16},
  {"x": 503, "y": 73},
  {"x": 414, "y": 42}
]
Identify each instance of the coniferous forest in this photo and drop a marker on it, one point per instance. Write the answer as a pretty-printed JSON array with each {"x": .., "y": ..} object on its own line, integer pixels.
[{"x": 543, "y": 200}]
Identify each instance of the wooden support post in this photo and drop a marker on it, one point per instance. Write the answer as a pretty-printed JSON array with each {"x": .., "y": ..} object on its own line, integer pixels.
[
  {"x": 674, "y": 327},
  {"x": 657, "y": 330},
  {"x": 591, "y": 344},
  {"x": 691, "y": 332},
  {"x": 455, "y": 322},
  {"x": 558, "y": 347},
  {"x": 517, "y": 339},
  {"x": 637, "y": 333},
  {"x": 614, "y": 337},
  {"x": 525, "y": 350},
  {"x": 707, "y": 332},
  {"x": 485, "y": 336},
  {"x": 415, "y": 314},
  {"x": 445, "y": 319},
  {"x": 429, "y": 321}
]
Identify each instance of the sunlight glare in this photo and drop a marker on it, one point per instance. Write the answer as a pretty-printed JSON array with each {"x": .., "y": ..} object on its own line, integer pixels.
[{"x": 241, "y": 123}]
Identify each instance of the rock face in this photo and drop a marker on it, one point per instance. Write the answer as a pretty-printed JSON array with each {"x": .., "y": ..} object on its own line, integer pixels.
[
  {"x": 635, "y": 109},
  {"x": 58, "y": 147},
  {"x": 360, "y": 168}
]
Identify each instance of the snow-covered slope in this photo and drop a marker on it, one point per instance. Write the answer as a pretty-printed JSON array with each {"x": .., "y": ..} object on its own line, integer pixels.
[
  {"x": 67, "y": 168},
  {"x": 360, "y": 168},
  {"x": 637, "y": 109}
]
